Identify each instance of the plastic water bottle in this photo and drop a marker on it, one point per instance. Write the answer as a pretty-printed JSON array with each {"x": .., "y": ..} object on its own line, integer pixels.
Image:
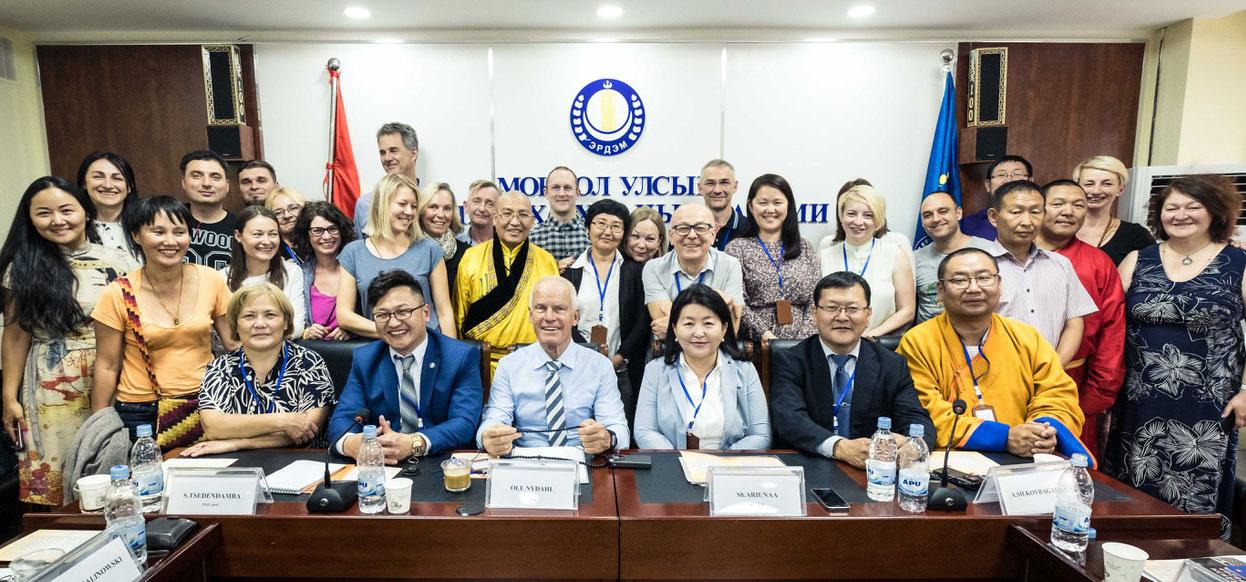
[
  {"x": 1075, "y": 493},
  {"x": 371, "y": 464},
  {"x": 880, "y": 468},
  {"x": 123, "y": 511},
  {"x": 147, "y": 465},
  {"x": 914, "y": 462}
]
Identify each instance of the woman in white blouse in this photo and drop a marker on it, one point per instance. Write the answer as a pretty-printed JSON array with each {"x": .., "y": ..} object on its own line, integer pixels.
[
  {"x": 702, "y": 394},
  {"x": 862, "y": 250}
]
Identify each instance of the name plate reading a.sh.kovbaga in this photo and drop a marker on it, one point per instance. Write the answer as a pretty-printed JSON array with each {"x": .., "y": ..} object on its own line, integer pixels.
[
  {"x": 533, "y": 484},
  {"x": 1025, "y": 489},
  {"x": 215, "y": 491},
  {"x": 768, "y": 491}
]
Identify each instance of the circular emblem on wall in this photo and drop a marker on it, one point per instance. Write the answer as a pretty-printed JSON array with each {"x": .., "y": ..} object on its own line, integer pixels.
[{"x": 607, "y": 117}]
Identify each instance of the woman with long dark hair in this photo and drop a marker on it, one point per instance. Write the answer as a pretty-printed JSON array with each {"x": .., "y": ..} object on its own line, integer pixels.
[
  {"x": 782, "y": 267},
  {"x": 319, "y": 235},
  {"x": 109, "y": 180},
  {"x": 702, "y": 394},
  {"x": 53, "y": 275},
  {"x": 257, "y": 258}
]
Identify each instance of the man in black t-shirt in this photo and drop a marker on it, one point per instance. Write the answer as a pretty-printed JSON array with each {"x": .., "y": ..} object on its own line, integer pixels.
[{"x": 205, "y": 183}]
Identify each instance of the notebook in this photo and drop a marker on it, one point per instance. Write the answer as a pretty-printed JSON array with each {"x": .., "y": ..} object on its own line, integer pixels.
[{"x": 296, "y": 477}]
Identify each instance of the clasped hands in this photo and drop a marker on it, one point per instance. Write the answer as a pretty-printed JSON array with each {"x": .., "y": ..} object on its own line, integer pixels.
[{"x": 1031, "y": 438}]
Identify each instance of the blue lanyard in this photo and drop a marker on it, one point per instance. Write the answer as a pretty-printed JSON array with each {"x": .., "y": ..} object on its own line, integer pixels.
[
  {"x": 272, "y": 404},
  {"x": 679, "y": 288},
  {"x": 601, "y": 289},
  {"x": 290, "y": 251},
  {"x": 867, "y": 257},
  {"x": 777, "y": 267},
  {"x": 852, "y": 380},
  {"x": 704, "y": 385},
  {"x": 969, "y": 362}
]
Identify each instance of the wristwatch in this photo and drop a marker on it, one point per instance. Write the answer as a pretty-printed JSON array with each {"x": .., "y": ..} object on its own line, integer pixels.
[{"x": 419, "y": 445}]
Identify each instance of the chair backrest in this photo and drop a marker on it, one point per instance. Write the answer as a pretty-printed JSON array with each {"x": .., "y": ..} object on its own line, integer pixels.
[
  {"x": 765, "y": 358},
  {"x": 337, "y": 357}
]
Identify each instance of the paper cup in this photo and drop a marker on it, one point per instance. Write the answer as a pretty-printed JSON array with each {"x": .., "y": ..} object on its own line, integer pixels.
[
  {"x": 91, "y": 491},
  {"x": 398, "y": 495},
  {"x": 1122, "y": 562}
]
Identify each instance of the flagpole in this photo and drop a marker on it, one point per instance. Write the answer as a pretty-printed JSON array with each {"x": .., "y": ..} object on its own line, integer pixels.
[
  {"x": 333, "y": 66},
  {"x": 947, "y": 56}
]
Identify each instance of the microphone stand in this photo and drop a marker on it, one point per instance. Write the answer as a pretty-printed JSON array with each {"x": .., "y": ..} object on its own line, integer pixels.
[
  {"x": 947, "y": 498},
  {"x": 331, "y": 497}
]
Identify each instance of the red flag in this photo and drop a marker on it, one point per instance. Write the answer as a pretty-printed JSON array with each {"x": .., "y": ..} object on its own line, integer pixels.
[{"x": 344, "y": 189}]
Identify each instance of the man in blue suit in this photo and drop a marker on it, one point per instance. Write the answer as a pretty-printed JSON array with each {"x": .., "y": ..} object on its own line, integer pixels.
[{"x": 422, "y": 388}]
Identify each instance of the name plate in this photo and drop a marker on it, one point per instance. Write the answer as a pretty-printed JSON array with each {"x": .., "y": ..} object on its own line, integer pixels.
[
  {"x": 533, "y": 484},
  {"x": 1027, "y": 489},
  {"x": 215, "y": 491},
  {"x": 769, "y": 491},
  {"x": 102, "y": 559}
]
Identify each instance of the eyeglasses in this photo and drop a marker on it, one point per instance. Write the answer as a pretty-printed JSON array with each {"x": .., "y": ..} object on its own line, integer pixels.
[
  {"x": 701, "y": 228},
  {"x": 834, "y": 310},
  {"x": 962, "y": 283},
  {"x": 291, "y": 210},
  {"x": 1014, "y": 175},
  {"x": 508, "y": 215},
  {"x": 603, "y": 225},
  {"x": 399, "y": 314},
  {"x": 317, "y": 231}
]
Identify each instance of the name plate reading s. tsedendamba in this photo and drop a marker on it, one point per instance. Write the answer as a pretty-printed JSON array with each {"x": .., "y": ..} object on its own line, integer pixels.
[
  {"x": 215, "y": 491},
  {"x": 1027, "y": 489},
  {"x": 767, "y": 491},
  {"x": 102, "y": 559},
  {"x": 533, "y": 484}
]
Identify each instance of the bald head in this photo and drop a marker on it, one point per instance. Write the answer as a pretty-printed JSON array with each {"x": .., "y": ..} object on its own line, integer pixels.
[
  {"x": 553, "y": 286},
  {"x": 692, "y": 233},
  {"x": 940, "y": 216},
  {"x": 553, "y": 313},
  {"x": 513, "y": 218}
]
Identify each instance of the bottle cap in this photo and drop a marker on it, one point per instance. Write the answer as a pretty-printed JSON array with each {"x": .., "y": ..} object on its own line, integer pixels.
[
  {"x": 884, "y": 422},
  {"x": 119, "y": 472},
  {"x": 917, "y": 431},
  {"x": 143, "y": 430},
  {"x": 1080, "y": 460},
  {"x": 1091, "y": 533},
  {"x": 369, "y": 431}
]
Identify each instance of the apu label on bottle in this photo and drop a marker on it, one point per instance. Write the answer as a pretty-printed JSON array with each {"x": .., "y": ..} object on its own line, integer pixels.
[
  {"x": 880, "y": 472},
  {"x": 133, "y": 535},
  {"x": 914, "y": 482},
  {"x": 369, "y": 487},
  {"x": 1072, "y": 518},
  {"x": 149, "y": 483}
]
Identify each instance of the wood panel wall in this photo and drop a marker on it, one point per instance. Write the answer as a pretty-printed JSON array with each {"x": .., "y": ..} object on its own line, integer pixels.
[
  {"x": 145, "y": 102},
  {"x": 1065, "y": 103}
]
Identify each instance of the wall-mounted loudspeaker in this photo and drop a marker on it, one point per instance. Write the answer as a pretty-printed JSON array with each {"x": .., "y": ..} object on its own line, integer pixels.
[{"x": 992, "y": 143}]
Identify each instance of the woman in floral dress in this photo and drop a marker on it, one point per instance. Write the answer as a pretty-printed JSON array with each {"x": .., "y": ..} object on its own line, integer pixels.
[{"x": 1183, "y": 353}]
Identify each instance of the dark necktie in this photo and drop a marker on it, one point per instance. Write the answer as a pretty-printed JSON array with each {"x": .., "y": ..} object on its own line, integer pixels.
[{"x": 841, "y": 384}]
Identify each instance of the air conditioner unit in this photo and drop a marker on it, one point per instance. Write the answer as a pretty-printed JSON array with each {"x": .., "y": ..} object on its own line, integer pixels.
[{"x": 1147, "y": 181}]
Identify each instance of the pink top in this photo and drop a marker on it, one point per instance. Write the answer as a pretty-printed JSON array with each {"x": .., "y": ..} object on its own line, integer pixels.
[{"x": 323, "y": 308}]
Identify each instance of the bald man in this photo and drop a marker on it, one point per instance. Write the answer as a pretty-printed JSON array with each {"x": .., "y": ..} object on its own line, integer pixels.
[
  {"x": 564, "y": 393},
  {"x": 940, "y": 218},
  {"x": 496, "y": 277},
  {"x": 692, "y": 260}
]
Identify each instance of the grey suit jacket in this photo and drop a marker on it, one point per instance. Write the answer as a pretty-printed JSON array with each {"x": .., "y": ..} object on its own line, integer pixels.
[{"x": 746, "y": 420}]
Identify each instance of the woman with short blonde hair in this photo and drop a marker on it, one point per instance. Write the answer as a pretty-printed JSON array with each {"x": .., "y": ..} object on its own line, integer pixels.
[{"x": 1103, "y": 178}]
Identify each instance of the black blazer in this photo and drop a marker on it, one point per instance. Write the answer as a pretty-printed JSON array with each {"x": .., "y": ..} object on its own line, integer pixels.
[
  {"x": 802, "y": 401},
  {"x": 633, "y": 316}
]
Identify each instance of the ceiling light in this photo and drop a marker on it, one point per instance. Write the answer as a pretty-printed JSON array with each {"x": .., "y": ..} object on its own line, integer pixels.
[
  {"x": 387, "y": 41},
  {"x": 861, "y": 11},
  {"x": 609, "y": 11},
  {"x": 357, "y": 12}
]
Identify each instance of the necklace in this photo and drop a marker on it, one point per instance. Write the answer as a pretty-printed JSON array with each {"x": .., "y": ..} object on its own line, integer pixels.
[
  {"x": 1104, "y": 237},
  {"x": 176, "y": 314},
  {"x": 1189, "y": 259}
]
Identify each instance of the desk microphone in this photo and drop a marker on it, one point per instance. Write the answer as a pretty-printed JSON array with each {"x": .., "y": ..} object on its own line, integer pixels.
[
  {"x": 949, "y": 498},
  {"x": 332, "y": 497}
]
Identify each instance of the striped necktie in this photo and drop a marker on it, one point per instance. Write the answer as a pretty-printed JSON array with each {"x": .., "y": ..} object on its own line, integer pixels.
[
  {"x": 408, "y": 399},
  {"x": 554, "y": 413}
]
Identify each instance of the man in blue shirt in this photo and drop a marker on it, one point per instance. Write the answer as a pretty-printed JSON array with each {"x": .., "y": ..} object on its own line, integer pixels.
[{"x": 554, "y": 392}]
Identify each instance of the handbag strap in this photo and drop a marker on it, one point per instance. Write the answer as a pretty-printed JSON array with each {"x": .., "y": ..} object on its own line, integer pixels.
[{"x": 136, "y": 325}]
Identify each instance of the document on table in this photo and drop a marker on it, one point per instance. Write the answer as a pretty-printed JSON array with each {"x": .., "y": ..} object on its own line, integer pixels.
[
  {"x": 696, "y": 465},
  {"x": 971, "y": 462},
  {"x": 298, "y": 476},
  {"x": 1170, "y": 570},
  {"x": 65, "y": 539},
  {"x": 575, "y": 454},
  {"x": 197, "y": 462}
]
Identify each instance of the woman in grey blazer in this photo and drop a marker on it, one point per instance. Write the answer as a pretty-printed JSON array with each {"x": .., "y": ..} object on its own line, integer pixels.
[{"x": 701, "y": 394}]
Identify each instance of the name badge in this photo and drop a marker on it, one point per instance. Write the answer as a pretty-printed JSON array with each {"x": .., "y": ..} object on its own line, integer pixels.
[
  {"x": 214, "y": 491},
  {"x": 1028, "y": 489},
  {"x": 771, "y": 491},
  {"x": 104, "y": 559},
  {"x": 533, "y": 484},
  {"x": 985, "y": 412}
]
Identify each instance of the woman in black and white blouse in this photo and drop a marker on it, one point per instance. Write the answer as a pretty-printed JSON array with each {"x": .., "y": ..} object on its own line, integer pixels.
[{"x": 269, "y": 392}]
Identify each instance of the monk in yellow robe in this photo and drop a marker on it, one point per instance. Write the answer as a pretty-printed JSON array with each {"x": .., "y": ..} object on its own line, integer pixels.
[
  {"x": 1018, "y": 398},
  {"x": 495, "y": 279}
]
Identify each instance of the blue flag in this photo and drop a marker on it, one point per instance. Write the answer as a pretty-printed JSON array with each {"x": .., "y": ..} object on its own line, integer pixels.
[{"x": 943, "y": 171}]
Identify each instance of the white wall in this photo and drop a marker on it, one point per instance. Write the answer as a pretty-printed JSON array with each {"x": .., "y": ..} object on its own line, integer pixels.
[
  {"x": 819, "y": 114},
  {"x": 23, "y": 142}
]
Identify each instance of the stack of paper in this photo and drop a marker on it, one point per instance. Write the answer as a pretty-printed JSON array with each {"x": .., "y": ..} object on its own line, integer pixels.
[
  {"x": 696, "y": 465},
  {"x": 970, "y": 462}
]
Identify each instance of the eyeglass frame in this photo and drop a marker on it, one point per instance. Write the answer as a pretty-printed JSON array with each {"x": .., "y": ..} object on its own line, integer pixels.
[
  {"x": 384, "y": 317},
  {"x": 994, "y": 279}
]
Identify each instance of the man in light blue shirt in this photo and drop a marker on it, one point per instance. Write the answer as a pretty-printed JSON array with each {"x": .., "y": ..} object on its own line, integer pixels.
[
  {"x": 554, "y": 392},
  {"x": 398, "y": 146}
]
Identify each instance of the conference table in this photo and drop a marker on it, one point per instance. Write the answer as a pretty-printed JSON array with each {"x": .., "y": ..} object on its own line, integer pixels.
[{"x": 644, "y": 524}]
